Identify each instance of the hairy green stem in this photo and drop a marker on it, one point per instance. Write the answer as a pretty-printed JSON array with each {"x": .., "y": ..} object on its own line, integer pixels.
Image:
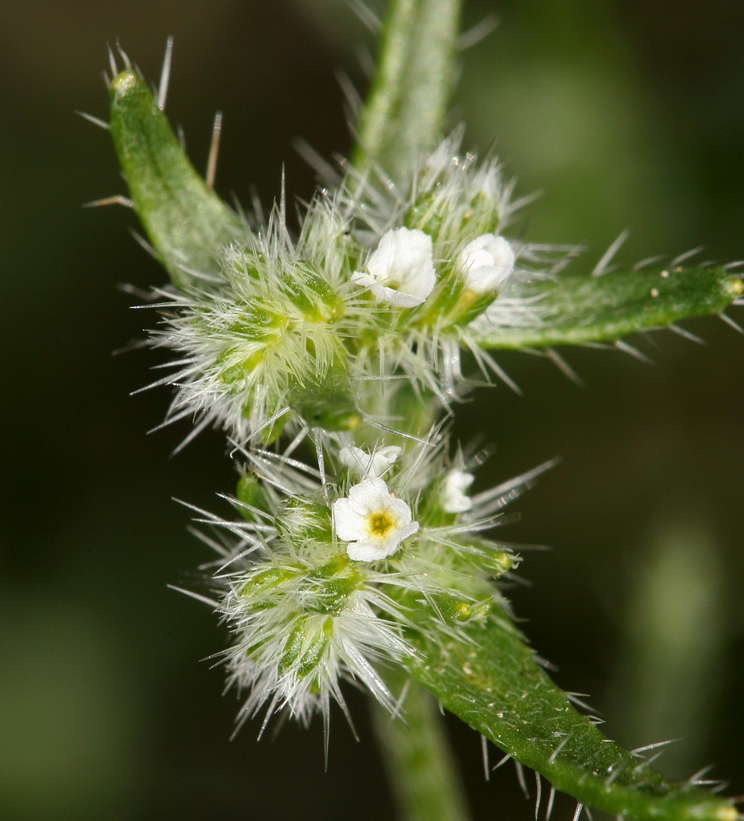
[
  {"x": 419, "y": 763},
  {"x": 406, "y": 105}
]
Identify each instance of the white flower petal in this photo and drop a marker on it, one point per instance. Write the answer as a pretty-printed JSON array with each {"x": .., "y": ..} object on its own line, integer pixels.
[
  {"x": 400, "y": 299},
  {"x": 401, "y": 510},
  {"x": 367, "y": 552},
  {"x": 360, "y": 278},
  {"x": 348, "y": 521},
  {"x": 384, "y": 457},
  {"x": 354, "y": 458},
  {"x": 401, "y": 270},
  {"x": 367, "y": 495},
  {"x": 487, "y": 262}
]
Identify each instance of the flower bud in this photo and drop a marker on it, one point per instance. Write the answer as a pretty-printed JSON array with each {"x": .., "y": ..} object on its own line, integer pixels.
[
  {"x": 486, "y": 263},
  {"x": 369, "y": 465},
  {"x": 454, "y": 499}
]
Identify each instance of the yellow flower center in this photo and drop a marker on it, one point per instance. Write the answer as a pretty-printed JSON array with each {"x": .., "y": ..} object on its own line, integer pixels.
[{"x": 379, "y": 523}]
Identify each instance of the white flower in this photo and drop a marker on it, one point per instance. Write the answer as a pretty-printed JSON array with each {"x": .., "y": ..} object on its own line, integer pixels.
[
  {"x": 454, "y": 499},
  {"x": 487, "y": 262},
  {"x": 401, "y": 270},
  {"x": 373, "y": 465},
  {"x": 373, "y": 521}
]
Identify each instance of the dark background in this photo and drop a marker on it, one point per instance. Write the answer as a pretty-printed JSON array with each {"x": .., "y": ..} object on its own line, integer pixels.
[{"x": 626, "y": 114}]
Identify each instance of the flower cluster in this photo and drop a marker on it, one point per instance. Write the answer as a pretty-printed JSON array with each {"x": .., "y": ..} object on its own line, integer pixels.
[
  {"x": 377, "y": 553},
  {"x": 317, "y": 332},
  {"x": 349, "y": 336},
  {"x": 321, "y": 571}
]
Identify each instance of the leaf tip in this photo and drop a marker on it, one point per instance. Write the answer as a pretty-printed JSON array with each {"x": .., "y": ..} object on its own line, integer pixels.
[
  {"x": 734, "y": 286},
  {"x": 124, "y": 82}
]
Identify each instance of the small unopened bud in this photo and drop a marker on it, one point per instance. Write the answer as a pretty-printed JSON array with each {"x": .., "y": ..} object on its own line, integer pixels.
[
  {"x": 454, "y": 499},
  {"x": 369, "y": 465},
  {"x": 486, "y": 262}
]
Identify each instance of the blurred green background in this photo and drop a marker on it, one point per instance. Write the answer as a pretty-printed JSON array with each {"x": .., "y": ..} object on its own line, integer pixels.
[{"x": 626, "y": 114}]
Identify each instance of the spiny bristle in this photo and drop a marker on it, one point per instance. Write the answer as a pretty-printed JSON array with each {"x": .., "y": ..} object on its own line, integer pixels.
[{"x": 165, "y": 74}]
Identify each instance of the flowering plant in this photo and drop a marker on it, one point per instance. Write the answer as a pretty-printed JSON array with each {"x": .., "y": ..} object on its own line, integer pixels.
[{"x": 371, "y": 562}]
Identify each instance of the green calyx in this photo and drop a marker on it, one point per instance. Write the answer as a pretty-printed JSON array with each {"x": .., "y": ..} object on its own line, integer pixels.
[
  {"x": 300, "y": 521},
  {"x": 260, "y": 588},
  {"x": 305, "y": 647},
  {"x": 447, "y": 218},
  {"x": 326, "y": 403}
]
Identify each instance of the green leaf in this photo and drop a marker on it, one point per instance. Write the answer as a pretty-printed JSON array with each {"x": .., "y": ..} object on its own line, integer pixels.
[
  {"x": 489, "y": 678},
  {"x": 406, "y": 105},
  {"x": 185, "y": 221},
  {"x": 576, "y": 309}
]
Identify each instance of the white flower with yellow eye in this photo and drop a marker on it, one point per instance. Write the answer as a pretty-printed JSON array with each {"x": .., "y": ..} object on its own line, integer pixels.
[
  {"x": 486, "y": 262},
  {"x": 401, "y": 270},
  {"x": 373, "y": 521}
]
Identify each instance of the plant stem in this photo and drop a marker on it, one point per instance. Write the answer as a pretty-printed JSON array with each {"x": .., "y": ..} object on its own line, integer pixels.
[
  {"x": 420, "y": 766},
  {"x": 405, "y": 108}
]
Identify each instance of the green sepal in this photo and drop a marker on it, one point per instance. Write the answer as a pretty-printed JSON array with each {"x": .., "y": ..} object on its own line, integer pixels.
[
  {"x": 490, "y": 679},
  {"x": 252, "y": 497},
  {"x": 576, "y": 309},
  {"x": 314, "y": 648},
  {"x": 314, "y": 653},
  {"x": 450, "y": 305},
  {"x": 431, "y": 211},
  {"x": 292, "y": 648},
  {"x": 326, "y": 404},
  {"x": 185, "y": 221},
  {"x": 259, "y": 590},
  {"x": 298, "y": 520},
  {"x": 325, "y": 306},
  {"x": 332, "y": 595},
  {"x": 455, "y": 610}
]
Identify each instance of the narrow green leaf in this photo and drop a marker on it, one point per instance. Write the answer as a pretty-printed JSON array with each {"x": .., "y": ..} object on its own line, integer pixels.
[
  {"x": 185, "y": 221},
  {"x": 576, "y": 309},
  {"x": 489, "y": 678},
  {"x": 405, "y": 108}
]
